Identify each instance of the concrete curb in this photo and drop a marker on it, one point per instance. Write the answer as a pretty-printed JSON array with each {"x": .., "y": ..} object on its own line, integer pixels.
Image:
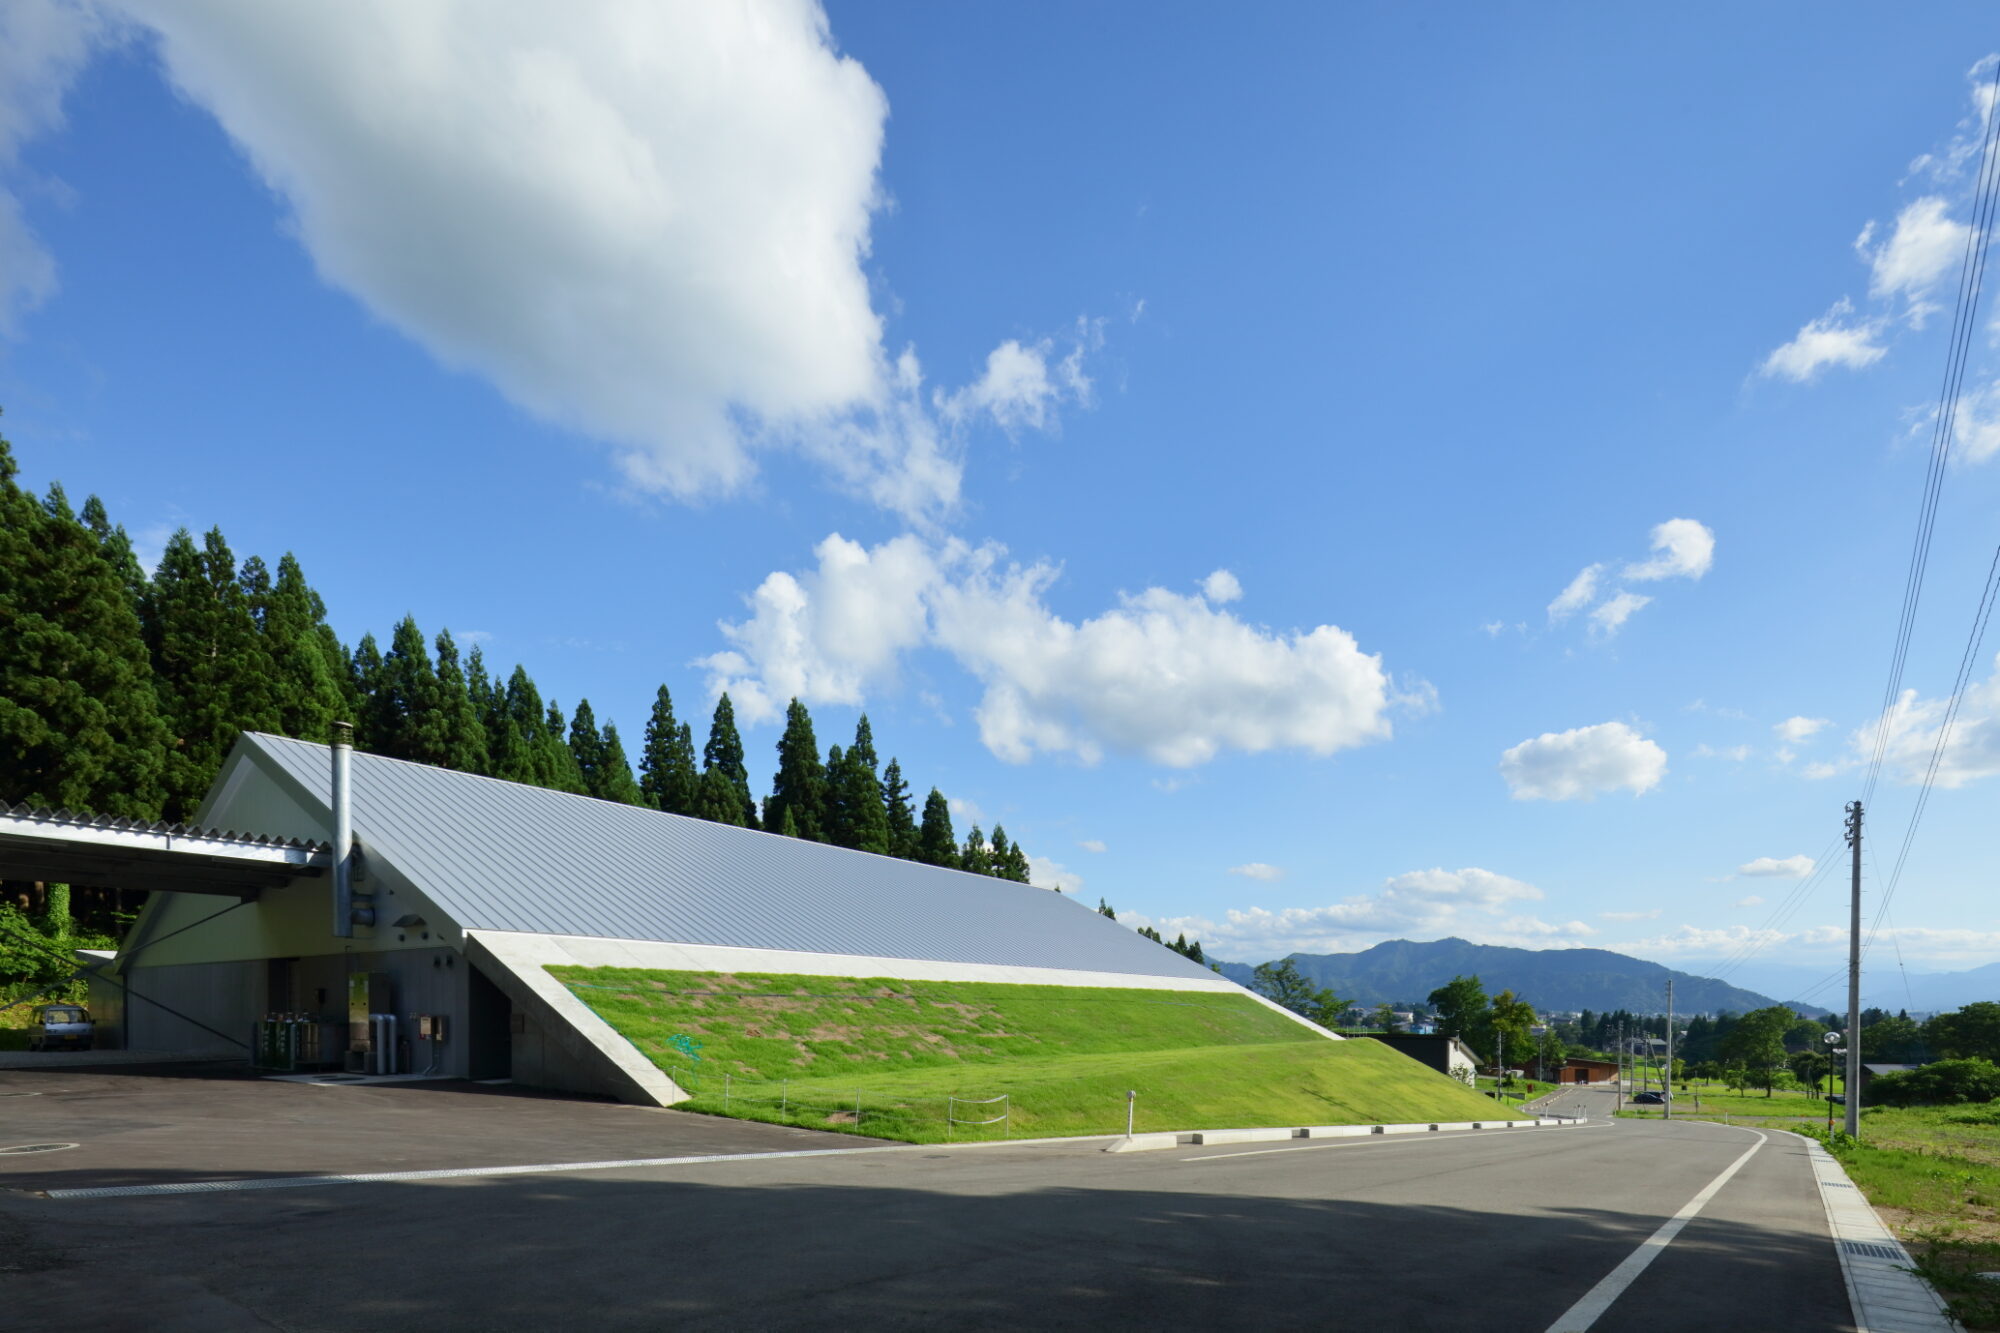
[
  {"x": 1208, "y": 1138},
  {"x": 1885, "y": 1295}
]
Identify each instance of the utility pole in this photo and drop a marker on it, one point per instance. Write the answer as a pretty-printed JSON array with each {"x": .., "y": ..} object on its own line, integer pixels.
[
  {"x": 1853, "y": 1080},
  {"x": 1621, "y": 1066},
  {"x": 1667, "y": 1077}
]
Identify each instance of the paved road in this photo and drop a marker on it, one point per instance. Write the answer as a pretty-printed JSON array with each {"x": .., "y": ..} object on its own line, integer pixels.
[{"x": 1488, "y": 1230}]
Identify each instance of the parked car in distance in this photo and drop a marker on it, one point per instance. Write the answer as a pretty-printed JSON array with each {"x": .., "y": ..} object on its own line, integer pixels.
[
  {"x": 60, "y": 1027},
  {"x": 1649, "y": 1098}
]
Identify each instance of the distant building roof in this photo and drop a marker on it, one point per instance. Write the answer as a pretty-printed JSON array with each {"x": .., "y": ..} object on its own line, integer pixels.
[{"x": 503, "y": 856}]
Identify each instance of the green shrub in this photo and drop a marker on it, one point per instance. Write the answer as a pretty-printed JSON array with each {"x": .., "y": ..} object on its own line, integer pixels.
[{"x": 1942, "y": 1083}]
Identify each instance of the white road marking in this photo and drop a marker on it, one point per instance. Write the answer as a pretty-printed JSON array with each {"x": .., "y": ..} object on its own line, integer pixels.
[
  {"x": 1385, "y": 1141},
  {"x": 1598, "y": 1299}
]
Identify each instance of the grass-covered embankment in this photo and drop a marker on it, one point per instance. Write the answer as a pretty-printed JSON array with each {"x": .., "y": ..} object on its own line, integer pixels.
[{"x": 814, "y": 1051}]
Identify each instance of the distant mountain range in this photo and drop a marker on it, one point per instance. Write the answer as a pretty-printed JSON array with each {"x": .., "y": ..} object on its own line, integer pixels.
[
  {"x": 1883, "y": 983},
  {"x": 1549, "y": 979}
]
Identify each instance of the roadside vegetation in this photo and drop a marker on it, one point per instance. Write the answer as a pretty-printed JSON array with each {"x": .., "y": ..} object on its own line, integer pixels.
[{"x": 924, "y": 1061}]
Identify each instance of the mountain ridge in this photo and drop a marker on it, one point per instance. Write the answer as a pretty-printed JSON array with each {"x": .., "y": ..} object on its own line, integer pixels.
[{"x": 1549, "y": 979}]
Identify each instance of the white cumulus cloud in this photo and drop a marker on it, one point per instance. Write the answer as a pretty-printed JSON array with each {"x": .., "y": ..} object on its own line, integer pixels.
[
  {"x": 1924, "y": 246},
  {"x": 1797, "y": 729},
  {"x": 1474, "y": 903},
  {"x": 1580, "y": 592},
  {"x": 1091, "y": 844},
  {"x": 828, "y": 635},
  {"x": 1914, "y": 724},
  {"x": 1221, "y": 587},
  {"x": 1771, "y": 867},
  {"x": 1834, "y": 339},
  {"x": 1172, "y": 677},
  {"x": 1683, "y": 548},
  {"x": 1609, "y": 617},
  {"x": 646, "y": 222},
  {"x": 1046, "y": 874},
  {"x": 1258, "y": 870},
  {"x": 1580, "y": 763}
]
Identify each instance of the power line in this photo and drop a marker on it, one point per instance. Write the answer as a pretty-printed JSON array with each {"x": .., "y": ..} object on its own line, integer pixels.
[{"x": 1972, "y": 272}]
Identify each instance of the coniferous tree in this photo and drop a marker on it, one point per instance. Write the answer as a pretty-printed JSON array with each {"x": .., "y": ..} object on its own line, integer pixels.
[
  {"x": 668, "y": 777},
  {"x": 863, "y": 822},
  {"x": 586, "y": 747},
  {"x": 404, "y": 713},
  {"x": 553, "y": 758},
  {"x": 1009, "y": 861},
  {"x": 210, "y": 668},
  {"x": 305, "y": 656},
  {"x": 461, "y": 734},
  {"x": 1105, "y": 909},
  {"x": 616, "y": 781},
  {"x": 975, "y": 857},
  {"x": 79, "y": 722},
  {"x": 514, "y": 728},
  {"x": 787, "y": 826},
  {"x": 896, "y": 811},
  {"x": 117, "y": 548},
  {"x": 364, "y": 673},
  {"x": 799, "y": 787},
  {"x": 717, "y": 800},
  {"x": 724, "y": 754},
  {"x": 936, "y": 844}
]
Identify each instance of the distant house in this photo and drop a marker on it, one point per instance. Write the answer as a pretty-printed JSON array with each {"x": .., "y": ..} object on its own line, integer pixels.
[
  {"x": 1447, "y": 1055},
  {"x": 1578, "y": 1069},
  {"x": 1869, "y": 1073}
]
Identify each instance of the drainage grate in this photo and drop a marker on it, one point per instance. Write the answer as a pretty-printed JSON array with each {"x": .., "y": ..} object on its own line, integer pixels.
[
  {"x": 20, "y": 1148},
  {"x": 1868, "y": 1249}
]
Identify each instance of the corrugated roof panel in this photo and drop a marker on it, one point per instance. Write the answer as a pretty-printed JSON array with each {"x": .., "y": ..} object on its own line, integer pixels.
[{"x": 503, "y": 856}]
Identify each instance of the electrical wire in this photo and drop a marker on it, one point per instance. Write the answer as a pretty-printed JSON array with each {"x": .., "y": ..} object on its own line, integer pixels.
[{"x": 1972, "y": 272}]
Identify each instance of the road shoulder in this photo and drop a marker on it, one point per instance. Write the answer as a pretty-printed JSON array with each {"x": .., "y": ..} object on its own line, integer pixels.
[{"x": 1887, "y": 1296}]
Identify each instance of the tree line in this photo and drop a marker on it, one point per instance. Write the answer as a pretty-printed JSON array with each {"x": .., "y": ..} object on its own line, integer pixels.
[{"x": 121, "y": 692}]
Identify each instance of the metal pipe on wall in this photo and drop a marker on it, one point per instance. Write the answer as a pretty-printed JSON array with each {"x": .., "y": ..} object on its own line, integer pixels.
[{"x": 343, "y": 832}]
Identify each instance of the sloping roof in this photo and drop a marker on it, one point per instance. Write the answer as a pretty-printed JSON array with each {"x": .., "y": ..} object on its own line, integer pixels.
[{"x": 502, "y": 856}]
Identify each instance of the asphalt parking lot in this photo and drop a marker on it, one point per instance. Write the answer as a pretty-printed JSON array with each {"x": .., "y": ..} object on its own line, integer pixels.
[
  {"x": 183, "y": 1123},
  {"x": 766, "y": 1228}
]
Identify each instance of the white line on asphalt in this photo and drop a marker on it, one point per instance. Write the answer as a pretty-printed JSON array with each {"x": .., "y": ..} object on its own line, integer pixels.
[
  {"x": 1598, "y": 1299},
  {"x": 452, "y": 1173},
  {"x": 1383, "y": 1141}
]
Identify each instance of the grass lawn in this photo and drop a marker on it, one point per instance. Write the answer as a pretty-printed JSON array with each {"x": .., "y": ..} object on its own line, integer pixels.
[
  {"x": 1713, "y": 1101},
  {"x": 885, "y": 1057}
]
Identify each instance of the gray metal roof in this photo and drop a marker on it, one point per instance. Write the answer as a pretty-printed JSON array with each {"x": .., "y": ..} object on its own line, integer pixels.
[
  {"x": 69, "y": 846},
  {"x": 502, "y": 856}
]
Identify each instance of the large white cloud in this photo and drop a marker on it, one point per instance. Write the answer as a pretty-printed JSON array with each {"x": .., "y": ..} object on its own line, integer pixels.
[
  {"x": 1474, "y": 903},
  {"x": 1580, "y": 763},
  {"x": 1170, "y": 676},
  {"x": 828, "y": 635},
  {"x": 645, "y": 220}
]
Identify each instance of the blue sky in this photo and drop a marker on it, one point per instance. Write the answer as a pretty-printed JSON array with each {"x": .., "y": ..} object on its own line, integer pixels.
[{"x": 1176, "y": 430}]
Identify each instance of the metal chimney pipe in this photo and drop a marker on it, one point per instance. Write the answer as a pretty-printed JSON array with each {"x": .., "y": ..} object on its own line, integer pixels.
[{"x": 343, "y": 832}]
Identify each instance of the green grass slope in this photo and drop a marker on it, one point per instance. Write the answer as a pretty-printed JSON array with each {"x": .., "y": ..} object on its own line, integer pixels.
[{"x": 920, "y": 1060}]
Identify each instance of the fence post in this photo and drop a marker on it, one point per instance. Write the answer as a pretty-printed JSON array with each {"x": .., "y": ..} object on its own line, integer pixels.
[
  {"x": 725, "y": 1092},
  {"x": 857, "y": 1108},
  {"x": 785, "y": 1097},
  {"x": 1131, "y": 1101}
]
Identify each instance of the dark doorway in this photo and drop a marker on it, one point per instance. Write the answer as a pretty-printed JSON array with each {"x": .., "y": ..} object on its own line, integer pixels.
[{"x": 489, "y": 1050}]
